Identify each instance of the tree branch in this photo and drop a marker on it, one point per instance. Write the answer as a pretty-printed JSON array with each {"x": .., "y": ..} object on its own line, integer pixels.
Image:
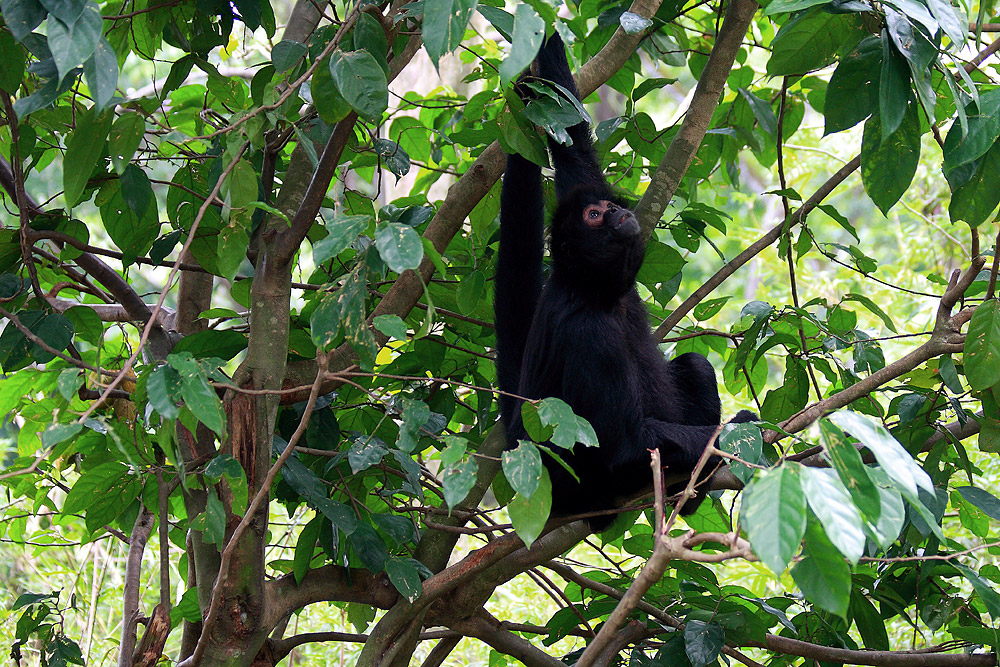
[
  {"x": 141, "y": 531},
  {"x": 756, "y": 248},
  {"x": 711, "y": 85}
]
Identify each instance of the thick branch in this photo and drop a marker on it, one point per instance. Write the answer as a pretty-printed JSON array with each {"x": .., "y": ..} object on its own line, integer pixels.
[
  {"x": 485, "y": 627},
  {"x": 141, "y": 531},
  {"x": 711, "y": 84}
]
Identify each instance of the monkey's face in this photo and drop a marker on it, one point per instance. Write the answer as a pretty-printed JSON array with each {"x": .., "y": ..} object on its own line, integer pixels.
[{"x": 597, "y": 239}]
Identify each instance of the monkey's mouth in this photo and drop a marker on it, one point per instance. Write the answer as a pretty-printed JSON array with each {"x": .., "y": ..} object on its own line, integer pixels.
[{"x": 623, "y": 221}]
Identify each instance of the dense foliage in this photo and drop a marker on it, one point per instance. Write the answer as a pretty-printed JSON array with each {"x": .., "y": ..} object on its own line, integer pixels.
[{"x": 245, "y": 273}]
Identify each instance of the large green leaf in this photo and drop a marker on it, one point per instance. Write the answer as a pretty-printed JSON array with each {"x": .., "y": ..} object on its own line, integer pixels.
[
  {"x": 853, "y": 473},
  {"x": 73, "y": 44},
  {"x": 822, "y": 575},
  {"x": 528, "y": 515},
  {"x": 774, "y": 515},
  {"x": 811, "y": 40},
  {"x": 852, "y": 94},
  {"x": 965, "y": 145},
  {"x": 444, "y": 25},
  {"x": 529, "y": 31},
  {"x": 361, "y": 82},
  {"x": 22, "y": 16},
  {"x": 101, "y": 71},
  {"x": 832, "y": 504},
  {"x": 399, "y": 245},
  {"x": 976, "y": 200},
  {"x": 82, "y": 152},
  {"x": 982, "y": 346},
  {"x": 891, "y": 456},
  {"x": 888, "y": 165},
  {"x": 523, "y": 468},
  {"x": 11, "y": 62}
]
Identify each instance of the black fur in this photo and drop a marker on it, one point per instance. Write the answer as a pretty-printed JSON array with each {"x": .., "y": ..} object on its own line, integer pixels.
[{"x": 584, "y": 336}]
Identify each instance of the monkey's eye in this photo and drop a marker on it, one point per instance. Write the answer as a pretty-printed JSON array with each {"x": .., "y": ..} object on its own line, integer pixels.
[{"x": 592, "y": 216}]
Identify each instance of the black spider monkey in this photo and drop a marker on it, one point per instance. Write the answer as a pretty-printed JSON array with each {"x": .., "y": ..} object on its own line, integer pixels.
[{"x": 584, "y": 335}]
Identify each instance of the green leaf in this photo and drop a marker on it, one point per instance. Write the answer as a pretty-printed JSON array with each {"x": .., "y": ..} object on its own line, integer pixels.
[
  {"x": 951, "y": 19},
  {"x": 703, "y": 642},
  {"x": 69, "y": 383},
  {"x": 365, "y": 452},
  {"x": 568, "y": 428},
  {"x": 501, "y": 20},
  {"x": 392, "y": 156},
  {"x": 852, "y": 94},
  {"x": 774, "y": 515},
  {"x": 471, "y": 292},
  {"x": 888, "y": 164},
  {"x": 305, "y": 547},
  {"x": 82, "y": 151},
  {"x": 789, "y": 6},
  {"x": 853, "y": 473},
  {"x": 895, "y": 460},
  {"x": 529, "y": 31},
  {"x": 869, "y": 621},
  {"x": 341, "y": 232},
  {"x": 226, "y": 466},
  {"x": 212, "y": 522},
  {"x": 72, "y": 44},
  {"x": 789, "y": 397},
  {"x": 457, "y": 481},
  {"x": 21, "y": 17},
  {"x": 101, "y": 71},
  {"x": 124, "y": 138},
  {"x": 330, "y": 104},
  {"x": 984, "y": 500},
  {"x": 523, "y": 468},
  {"x": 56, "y": 330},
  {"x": 964, "y": 146},
  {"x": 976, "y": 200},
  {"x": 136, "y": 190},
  {"x": 220, "y": 343},
  {"x": 762, "y": 111},
  {"x": 661, "y": 263},
  {"x": 369, "y": 547},
  {"x": 103, "y": 493},
  {"x": 823, "y": 576},
  {"x": 287, "y": 53},
  {"x": 632, "y": 23},
  {"x": 57, "y": 433},
  {"x": 892, "y": 514},
  {"x": 832, "y": 504},
  {"x": 11, "y": 61},
  {"x": 709, "y": 308},
  {"x": 528, "y": 515},
  {"x": 399, "y": 246},
  {"x": 745, "y": 441},
  {"x": 873, "y": 308},
  {"x": 391, "y": 325},
  {"x": 894, "y": 89},
  {"x": 444, "y": 25},
  {"x": 404, "y": 577},
  {"x": 67, "y": 11},
  {"x": 163, "y": 390},
  {"x": 415, "y": 415},
  {"x": 361, "y": 82},
  {"x": 983, "y": 588},
  {"x": 199, "y": 397},
  {"x": 982, "y": 346},
  {"x": 369, "y": 35},
  {"x": 810, "y": 41}
]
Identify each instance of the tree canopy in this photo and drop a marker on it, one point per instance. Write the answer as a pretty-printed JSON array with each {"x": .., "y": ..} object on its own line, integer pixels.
[{"x": 245, "y": 276}]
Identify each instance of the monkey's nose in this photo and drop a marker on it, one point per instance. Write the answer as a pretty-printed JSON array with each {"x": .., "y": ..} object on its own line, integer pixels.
[{"x": 623, "y": 221}]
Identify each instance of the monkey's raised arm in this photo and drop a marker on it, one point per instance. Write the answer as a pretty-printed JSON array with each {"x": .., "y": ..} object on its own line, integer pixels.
[
  {"x": 519, "y": 271},
  {"x": 577, "y": 164}
]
